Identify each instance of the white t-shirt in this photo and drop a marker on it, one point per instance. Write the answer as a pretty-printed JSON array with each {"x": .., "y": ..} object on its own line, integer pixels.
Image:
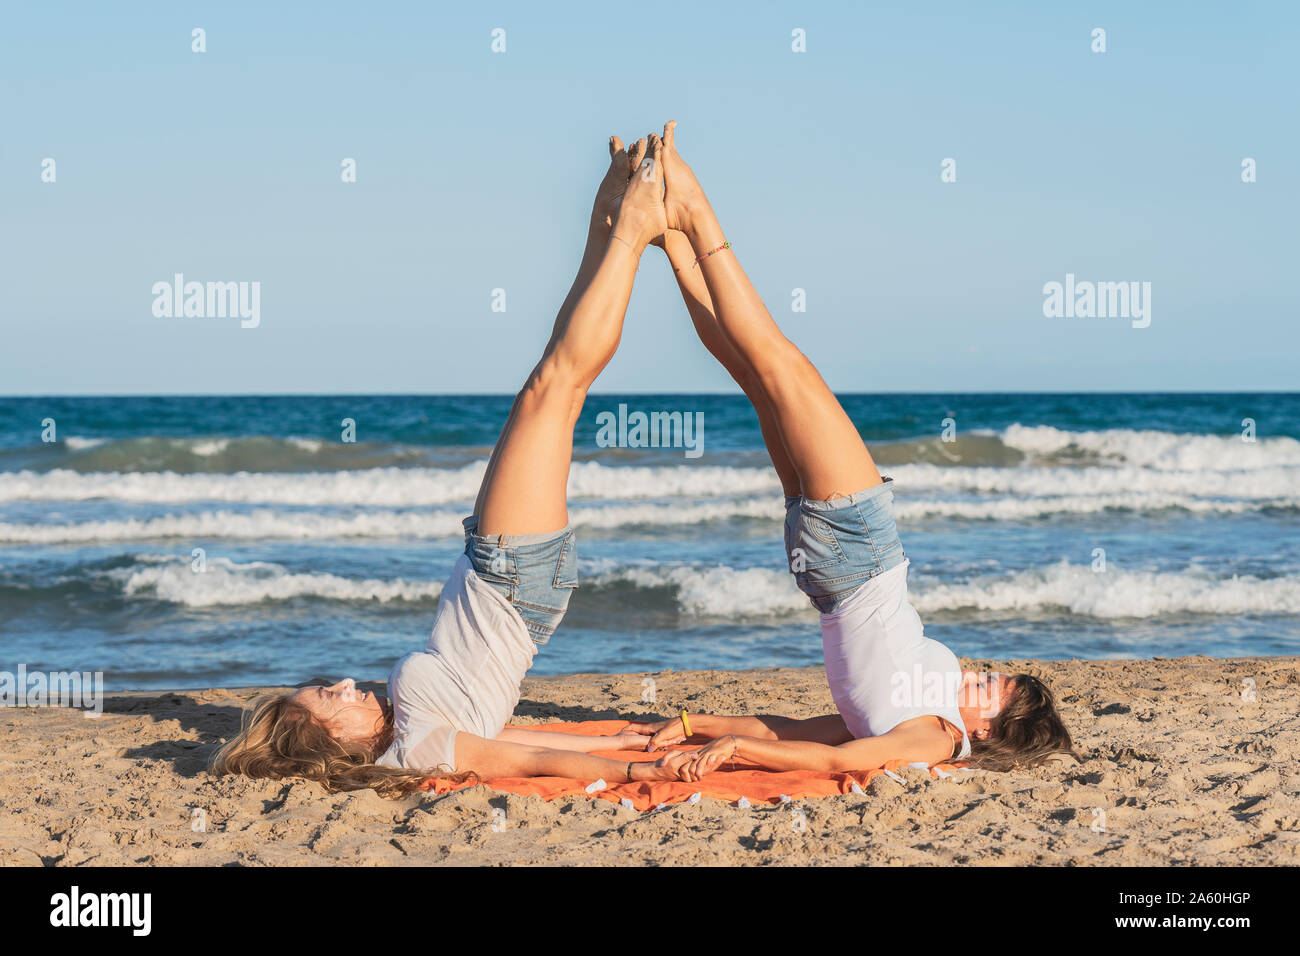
[
  {"x": 466, "y": 678},
  {"x": 881, "y": 667}
]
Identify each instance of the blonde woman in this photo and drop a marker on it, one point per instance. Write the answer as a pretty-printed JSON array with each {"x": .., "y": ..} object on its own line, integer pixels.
[
  {"x": 448, "y": 704},
  {"x": 898, "y": 694}
]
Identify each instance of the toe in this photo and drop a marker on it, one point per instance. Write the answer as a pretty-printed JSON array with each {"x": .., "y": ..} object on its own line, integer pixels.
[
  {"x": 615, "y": 146},
  {"x": 669, "y": 127},
  {"x": 655, "y": 152},
  {"x": 637, "y": 152}
]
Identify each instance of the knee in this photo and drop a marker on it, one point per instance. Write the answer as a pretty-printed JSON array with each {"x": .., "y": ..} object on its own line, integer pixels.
[
  {"x": 782, "y": 366},
  {"x": 554, "y": 386}
]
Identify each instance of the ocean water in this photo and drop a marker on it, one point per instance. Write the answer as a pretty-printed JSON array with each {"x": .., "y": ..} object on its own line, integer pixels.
[{"x": 1050, "y": 526}]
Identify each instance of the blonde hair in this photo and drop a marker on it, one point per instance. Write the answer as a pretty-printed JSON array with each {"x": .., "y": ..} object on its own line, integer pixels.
[{"x": 280, "y": 738}]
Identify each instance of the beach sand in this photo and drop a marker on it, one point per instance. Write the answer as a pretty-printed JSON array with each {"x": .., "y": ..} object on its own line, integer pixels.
[{"x": 1181, "y": 768}]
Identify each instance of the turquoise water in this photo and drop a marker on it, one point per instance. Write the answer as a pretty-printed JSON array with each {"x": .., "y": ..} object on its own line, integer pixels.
[{"x": 1049, "y": 526}]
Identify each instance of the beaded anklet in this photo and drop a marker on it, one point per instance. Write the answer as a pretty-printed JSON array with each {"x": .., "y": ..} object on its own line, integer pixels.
[{"x": 725, "y": 245}]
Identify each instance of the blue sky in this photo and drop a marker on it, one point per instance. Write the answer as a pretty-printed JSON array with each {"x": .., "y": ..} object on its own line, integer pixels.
[{"x": 476, "y": 171}]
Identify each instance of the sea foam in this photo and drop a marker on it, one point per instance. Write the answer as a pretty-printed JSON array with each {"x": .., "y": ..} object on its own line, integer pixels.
[{"x": 721, "y": 591}]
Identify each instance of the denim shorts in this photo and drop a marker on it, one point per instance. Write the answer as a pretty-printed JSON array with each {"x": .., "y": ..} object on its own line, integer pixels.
[
  {"x": 835, "y": 546},
  {"x": 537, "y": 573}
]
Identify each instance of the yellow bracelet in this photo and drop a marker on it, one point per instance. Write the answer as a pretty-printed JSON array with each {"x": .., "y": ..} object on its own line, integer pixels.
[{"x": 686, "y": 724}]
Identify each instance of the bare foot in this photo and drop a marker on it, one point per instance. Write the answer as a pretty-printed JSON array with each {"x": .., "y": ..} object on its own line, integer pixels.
[
  {"x": 684, "y": 200},
  {"x": 641, "y": 216},
  {"x": 610, "y": 194}
]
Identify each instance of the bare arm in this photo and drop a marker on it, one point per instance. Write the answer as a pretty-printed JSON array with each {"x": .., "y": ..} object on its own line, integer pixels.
[
  {"x": 579, "y": 743},
  {"x": 495, "y": 759},
  {"x": 829, "y": 729},
  {"x": 919, "y": 740}
]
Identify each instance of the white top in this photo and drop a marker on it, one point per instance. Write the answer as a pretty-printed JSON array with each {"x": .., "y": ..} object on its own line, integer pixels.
[
  {"x": 466, "y": 678},
  {"x": 882, "y": 668}
]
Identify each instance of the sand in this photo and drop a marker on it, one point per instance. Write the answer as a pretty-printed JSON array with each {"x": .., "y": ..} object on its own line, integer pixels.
[{"x": 1181, "y": 768}]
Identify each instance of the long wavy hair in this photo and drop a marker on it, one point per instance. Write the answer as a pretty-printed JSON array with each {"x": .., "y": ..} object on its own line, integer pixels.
[
  {"x": 1025, "y": 732},
  {"x": 280, "y": 738}
]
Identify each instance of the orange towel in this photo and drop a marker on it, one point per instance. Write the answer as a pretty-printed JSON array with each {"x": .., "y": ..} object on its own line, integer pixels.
[{"x": 746, "y": 780}]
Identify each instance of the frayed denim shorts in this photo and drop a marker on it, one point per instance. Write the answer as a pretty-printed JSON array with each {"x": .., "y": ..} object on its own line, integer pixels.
[
  {"x": 536, "y": 573},
  {"x": 835, "y": 546}
]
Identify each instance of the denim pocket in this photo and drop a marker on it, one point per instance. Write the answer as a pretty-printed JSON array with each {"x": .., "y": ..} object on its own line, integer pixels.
[
  {"x": 816, "y": 546},
  {"x": 880, "y": 532},
  {"x": 566, "y": 569},
  {"x": 546, "y": 577},
  {"x": 495, "y": 565}
]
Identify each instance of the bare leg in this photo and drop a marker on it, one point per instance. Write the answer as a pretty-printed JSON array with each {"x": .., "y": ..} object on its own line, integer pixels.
[
  {"x": 700, "y": 305},
  {"x": 525, "y": 488},
  {"x": 822, "y": 443},
  {"x": 603, "y": 211}
]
